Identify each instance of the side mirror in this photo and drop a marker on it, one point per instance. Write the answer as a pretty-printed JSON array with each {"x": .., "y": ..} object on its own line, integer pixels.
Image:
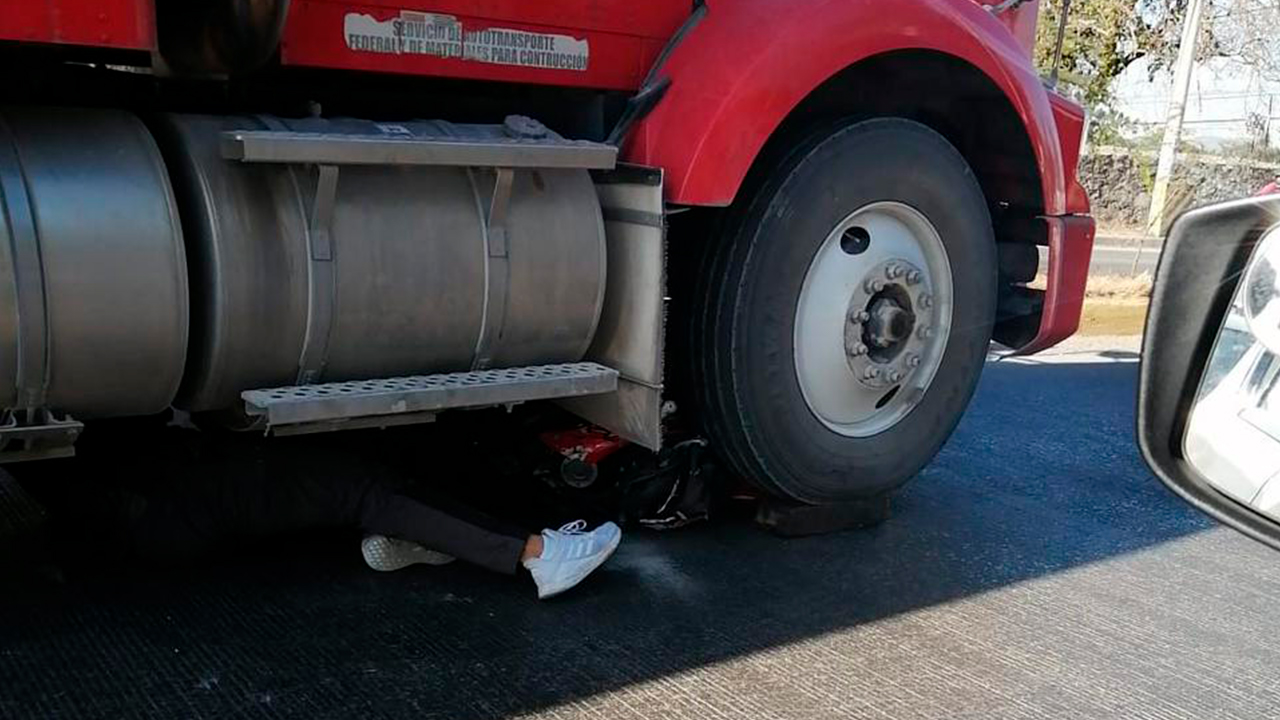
[{"x": 1208, "y": 423}]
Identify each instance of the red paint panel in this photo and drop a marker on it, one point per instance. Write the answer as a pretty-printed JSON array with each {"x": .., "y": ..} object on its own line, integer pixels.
[
  {"x": 1070, "y": 247},
  {"x": 121, "y": 24},
  {"x": 1069, "y": 117},
  {"x": 1021, "y": 21},
  {"x": 750, "y": 62},
  {"x": 652, "y": 19},
  {"x": 606, "y": 44}
]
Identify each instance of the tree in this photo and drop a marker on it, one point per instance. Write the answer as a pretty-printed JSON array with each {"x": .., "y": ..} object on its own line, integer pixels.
[
  {"x": 1104, "y": 37},
  {"x": 1246, "y": 31}
]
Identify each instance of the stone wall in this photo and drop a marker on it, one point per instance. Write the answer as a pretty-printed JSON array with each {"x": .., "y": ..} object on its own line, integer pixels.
[{"x": 1119, "y": 182}]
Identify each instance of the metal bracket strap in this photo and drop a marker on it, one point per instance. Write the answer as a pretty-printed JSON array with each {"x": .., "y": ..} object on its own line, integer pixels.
[
  {"x": 315, "y": 345},
  {"x": 320, "y": 276},
  {"x": 634, "y": 217},
  {"x": 28, "y": 271},
  {"x": 498, "y": 275}
]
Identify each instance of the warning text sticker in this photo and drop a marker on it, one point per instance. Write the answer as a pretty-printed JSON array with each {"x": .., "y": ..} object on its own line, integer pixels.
[{"x": 416, "y": 33}]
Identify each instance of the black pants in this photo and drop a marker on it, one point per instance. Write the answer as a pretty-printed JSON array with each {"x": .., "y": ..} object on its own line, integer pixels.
[{"x": 200, "y": 515}]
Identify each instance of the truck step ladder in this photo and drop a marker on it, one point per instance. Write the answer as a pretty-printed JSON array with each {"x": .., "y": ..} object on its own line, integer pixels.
[
  {"x": 403, "y": 400},
  {"x": 529, "y": 144}
]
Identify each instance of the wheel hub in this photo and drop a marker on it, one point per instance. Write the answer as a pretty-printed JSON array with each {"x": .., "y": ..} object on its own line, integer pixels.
[
  {"x": 888, "y": 323},
  {"x": 873, "y": 319}
]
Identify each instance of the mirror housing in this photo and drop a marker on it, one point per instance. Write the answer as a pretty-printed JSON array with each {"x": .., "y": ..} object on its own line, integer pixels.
[{"x": 1204, "y": 258}]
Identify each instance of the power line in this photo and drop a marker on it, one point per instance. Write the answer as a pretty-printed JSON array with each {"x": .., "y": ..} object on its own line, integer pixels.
[{"x": 1204, "y": 121}]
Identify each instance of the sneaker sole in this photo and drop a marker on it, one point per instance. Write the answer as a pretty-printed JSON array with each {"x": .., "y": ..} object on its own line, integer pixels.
[
  {"x": 382, "y": 555},
  {"x": 604, "y": 558}
]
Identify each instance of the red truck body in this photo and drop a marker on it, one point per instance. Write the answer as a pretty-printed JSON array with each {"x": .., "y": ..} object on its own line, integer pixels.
[
  {"x": 738, "y": 71},
  {"x": 822, "y": 210}
]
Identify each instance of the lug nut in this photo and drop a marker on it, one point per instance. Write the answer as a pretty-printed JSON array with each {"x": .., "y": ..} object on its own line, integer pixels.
[
  {"x": 894, "y": 376},
  {"x": 913, "y": 361},
  {"x": 913, "y": 277},
  {"x": 871, "y": 373},
  {"x": 859, "y": 349},
  {"x": 874, "y": 286},
  {"x": 893, "y": 272},
  {"x": 926, "y": 300},
  {"x": 864, "y": 316},
  {"x": 924, "y": 333}
]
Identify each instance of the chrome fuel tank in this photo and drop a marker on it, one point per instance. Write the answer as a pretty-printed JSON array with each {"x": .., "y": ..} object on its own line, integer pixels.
[
  {"x": 93, "y": 280},
  {"x": 401, "y": 280}
]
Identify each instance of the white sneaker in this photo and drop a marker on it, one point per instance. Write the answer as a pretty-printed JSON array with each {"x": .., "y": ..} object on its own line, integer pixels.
[
  {"x": 569, "y": 555},
  {"x": 385, "y": 554}
]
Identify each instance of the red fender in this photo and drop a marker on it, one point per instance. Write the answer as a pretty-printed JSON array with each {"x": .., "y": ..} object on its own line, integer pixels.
[{"x": 747, "y": 63}]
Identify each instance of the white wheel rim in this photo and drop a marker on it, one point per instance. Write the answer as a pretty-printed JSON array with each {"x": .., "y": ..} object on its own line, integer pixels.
[{"x": 885, "y": 258}]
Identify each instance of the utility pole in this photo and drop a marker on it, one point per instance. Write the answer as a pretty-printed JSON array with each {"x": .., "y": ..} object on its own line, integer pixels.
[
  {"x": 1266, "y": 126},
  {"x": 1177, "y": 108}
]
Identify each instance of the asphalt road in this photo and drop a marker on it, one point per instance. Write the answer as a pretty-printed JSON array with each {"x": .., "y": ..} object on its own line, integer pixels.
[
  {"x": 1034, "y": 570},
  {"x": 1116, "y": 259}
]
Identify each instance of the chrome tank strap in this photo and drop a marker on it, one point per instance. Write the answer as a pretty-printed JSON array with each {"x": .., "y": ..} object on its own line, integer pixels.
[{"x": 28, "y": 274}]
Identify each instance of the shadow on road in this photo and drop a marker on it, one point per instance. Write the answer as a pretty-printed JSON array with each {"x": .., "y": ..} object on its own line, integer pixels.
[{"x": 1041, "y": 476}]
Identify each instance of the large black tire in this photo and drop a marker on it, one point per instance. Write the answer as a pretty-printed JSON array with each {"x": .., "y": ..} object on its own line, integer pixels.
[{"x": 751, "y": 403}]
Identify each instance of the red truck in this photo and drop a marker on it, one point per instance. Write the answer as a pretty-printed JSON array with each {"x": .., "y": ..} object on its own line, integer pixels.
[{"x": 794, "y": 225}]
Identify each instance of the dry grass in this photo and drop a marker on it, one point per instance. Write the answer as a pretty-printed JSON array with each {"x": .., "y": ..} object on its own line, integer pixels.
[
  {"x": 1119, "y": 287},
  {"x": 1112, "y": 287},
  {"x": 1112, "y": 317},
  {"x": 1113, "y": 304}
]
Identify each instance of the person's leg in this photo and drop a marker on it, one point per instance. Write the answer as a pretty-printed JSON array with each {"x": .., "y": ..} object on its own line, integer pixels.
[
  {"x": 292, "y": 491},
  {"x": 569, "y": 555},
  {"x": 557, "y": 560},
  {"x": 247, "y": 492},
  {"x": 386, "y": 512},
  {"x": 388, "y": 554},
  {"x": 229, "y": 509}
]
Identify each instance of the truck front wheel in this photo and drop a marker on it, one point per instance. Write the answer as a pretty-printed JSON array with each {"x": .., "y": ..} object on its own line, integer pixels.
[{"x": 846, "y": 313}]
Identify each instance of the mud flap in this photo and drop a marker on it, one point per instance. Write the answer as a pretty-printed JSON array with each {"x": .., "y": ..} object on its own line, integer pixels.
[{"x": 629, "y": 337}]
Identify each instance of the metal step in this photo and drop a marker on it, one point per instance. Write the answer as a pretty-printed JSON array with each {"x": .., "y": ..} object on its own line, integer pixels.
[
  {"x": 277, "y": 146},
  {"x": 37, "y": 435},
  {"x": 422, "y": 395}
]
